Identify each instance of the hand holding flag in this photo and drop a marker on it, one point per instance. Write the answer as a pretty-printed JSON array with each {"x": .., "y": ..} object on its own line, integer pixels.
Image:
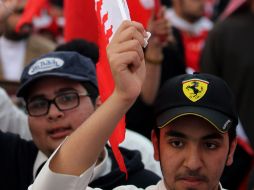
[
  {"x": 125, "y": 54},
  {"x": 111, "y": 14}
]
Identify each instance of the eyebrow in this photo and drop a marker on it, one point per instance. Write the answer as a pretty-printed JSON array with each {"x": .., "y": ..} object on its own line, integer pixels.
[
  {"x": 67, "y": 89},
  {"x": 213, "y": 136},
  {"x": 174, "y": 133},
  {"x": 59, "y": 91}
]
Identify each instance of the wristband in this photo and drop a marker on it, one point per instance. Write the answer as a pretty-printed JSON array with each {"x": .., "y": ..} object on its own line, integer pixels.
[{"x": 153, "y": 61}]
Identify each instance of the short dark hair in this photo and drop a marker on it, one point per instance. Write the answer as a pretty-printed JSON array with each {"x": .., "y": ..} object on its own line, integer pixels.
[
  {"x": 82, "y": 47},
  {"x": 58, "y": 3},
  {"x": 91, "y": 90}
]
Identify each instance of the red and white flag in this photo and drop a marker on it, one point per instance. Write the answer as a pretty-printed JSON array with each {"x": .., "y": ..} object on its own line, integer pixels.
[
  {"x": 142, "y": 10},
  {"x": 80, "y": 20},
  {"x": 110, "y": 14},
  {"x": 32, "y": 8}
]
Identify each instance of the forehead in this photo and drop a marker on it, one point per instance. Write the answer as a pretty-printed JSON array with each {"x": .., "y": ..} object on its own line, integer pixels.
[
  {"x": 52, "y": 85},
  {"x": 192, "y": 127}
]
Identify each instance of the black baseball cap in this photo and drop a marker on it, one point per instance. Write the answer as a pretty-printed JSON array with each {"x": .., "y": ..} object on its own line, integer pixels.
[
  {"x": 199, "y": 94},
  {"x": 70, "y": 65}
]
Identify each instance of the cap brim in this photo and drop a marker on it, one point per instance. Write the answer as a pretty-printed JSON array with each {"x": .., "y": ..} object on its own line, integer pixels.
[
  {"x": 22, "y": 90},
  {"x": 219, "y": 120}
]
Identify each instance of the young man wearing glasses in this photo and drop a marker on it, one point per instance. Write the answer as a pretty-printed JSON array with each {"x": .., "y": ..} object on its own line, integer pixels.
[{"x": 60, "y": 91}]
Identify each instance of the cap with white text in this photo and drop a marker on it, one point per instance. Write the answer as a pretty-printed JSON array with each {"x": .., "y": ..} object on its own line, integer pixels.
[{"x": 70, "y": 65}]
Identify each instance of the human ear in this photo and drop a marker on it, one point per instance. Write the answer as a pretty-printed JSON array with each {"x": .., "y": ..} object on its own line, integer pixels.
[
  {"x": 97, "y": 102},
  {"x": 231, "y": 152},
  {"x": 155, "y": 142}
]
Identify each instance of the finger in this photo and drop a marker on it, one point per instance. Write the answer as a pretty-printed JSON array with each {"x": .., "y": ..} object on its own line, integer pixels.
[
  {"x": 134, "y": 61},
  {"x": 161, "y": 12},
  {"x": 131, "y": 33},
  {"x": 132, "y": 45},
  {"x": 128, "y": 61},
  {"x": 140, "y": 28},
  {"x": 129, "y": 30}
]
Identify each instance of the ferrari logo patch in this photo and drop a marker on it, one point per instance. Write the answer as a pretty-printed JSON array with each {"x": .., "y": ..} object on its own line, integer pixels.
[{"x": 195, "y": 89}]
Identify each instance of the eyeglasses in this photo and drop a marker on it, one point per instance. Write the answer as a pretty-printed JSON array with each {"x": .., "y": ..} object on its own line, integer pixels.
[{"x": 67, "y": 101}]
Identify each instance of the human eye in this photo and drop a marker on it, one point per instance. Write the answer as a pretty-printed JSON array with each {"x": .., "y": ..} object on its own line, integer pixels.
[
  {"x": 176, "y": 143},
  {"x": 66, "y": 98},
  {"x": 37, "y": 104},
  {"x": 211, "y": 145}
]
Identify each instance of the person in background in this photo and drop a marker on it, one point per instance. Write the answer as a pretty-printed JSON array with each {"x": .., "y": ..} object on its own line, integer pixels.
[
  {"x": 192, "y": 27},
  {"x": 17, "y": 49},
  {"x": 6, "y": 8},
  {"x": 163, "y": 61},
  {"x": 12, "y": 118},
  {"x": 233, "y": 60}
]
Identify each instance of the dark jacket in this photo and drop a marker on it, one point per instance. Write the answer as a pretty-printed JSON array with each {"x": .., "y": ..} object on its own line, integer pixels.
[
  {"x": 18, "y": 158},
  {"x": 137, "y": 175}
]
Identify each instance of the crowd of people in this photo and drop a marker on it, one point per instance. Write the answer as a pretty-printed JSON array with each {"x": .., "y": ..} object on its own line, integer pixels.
[{"x": 186, "y": 97}]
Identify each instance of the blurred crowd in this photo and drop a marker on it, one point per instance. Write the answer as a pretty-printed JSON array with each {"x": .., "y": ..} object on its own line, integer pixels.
[{"x": 211, "y": 36}]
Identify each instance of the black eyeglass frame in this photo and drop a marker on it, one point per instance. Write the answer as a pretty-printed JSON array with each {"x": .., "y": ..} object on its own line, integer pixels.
[{"x": 53, "y": 101}]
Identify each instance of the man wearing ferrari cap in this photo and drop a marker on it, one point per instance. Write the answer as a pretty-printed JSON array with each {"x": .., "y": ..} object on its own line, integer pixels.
[{"x": 194, "y": 138}]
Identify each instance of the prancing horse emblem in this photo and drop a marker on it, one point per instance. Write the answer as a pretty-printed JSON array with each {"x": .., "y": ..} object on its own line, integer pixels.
[{"x": 195, "y": 89}]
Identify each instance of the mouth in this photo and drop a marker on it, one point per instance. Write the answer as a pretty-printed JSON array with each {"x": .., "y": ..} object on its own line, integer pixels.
[
  {"x": 59, "y": 132},
  {"x": 192, "y": 181}
]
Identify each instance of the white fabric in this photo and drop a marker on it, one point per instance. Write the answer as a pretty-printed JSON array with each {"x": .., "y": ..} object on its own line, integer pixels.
[
  {"x": 40, "y": 159},
  {"x": 49, "y": 180},
  {"x": 13, "y": 119},
  {"x": 136, "y": 141},
  {"x": 103, "y": 168},
  {"x": 195, "y": 28},
  {"x": 12, "y": 56},
  {"x": 100, "y": 170},
  {"x": 241, "y": 133}
]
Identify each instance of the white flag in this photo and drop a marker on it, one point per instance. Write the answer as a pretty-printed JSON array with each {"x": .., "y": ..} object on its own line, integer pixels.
[{"x": 117, "y": 11}]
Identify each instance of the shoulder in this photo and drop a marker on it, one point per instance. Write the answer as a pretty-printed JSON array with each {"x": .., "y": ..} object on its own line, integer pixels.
[
  {"x": 16, "y": 143},
  {"x": 39, "y": 42},
  {"x": 235, "y": 21}
]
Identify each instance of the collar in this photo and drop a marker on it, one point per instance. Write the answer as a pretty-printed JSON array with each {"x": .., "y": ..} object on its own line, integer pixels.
[
  {"x": 40, "y": 159},
  {"x": 220, "y": 187},
  {"x": 161, "y": 185},
  {"x": 203, "y": 24},
  {"x": 102, "y": 168}
]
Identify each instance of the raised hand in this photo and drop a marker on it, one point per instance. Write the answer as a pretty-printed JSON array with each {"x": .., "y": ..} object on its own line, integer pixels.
[{"x": 126, "y": 58}]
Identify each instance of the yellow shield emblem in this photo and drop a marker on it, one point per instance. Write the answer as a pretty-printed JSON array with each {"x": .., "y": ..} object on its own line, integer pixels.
[{"x": 195, "y": 89}]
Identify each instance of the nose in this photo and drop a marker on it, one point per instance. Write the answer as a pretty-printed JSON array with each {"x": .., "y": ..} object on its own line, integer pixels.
[
  {"x": 193, "y": 159},
  {"x": 54, "y": 113}
]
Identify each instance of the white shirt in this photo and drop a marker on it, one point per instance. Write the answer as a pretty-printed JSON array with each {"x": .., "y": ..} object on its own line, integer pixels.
[
  {"x": 136, "y": 141},
  {"x": 100, "y": 170},
  {"x": 12, "y": 119},
  {"x": 195, "y": 28},
  {"x": 12, "y": 54}
]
